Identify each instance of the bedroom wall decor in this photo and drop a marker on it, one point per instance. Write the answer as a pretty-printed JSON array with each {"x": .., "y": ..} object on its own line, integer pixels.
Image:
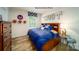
[
  {"x": 14, "y": 21},
  {"x": 24, "y": 21},
  {"x": 32, "y": 14},
  {"x": 54, "y": 16},
  {"x": 19, "y": 21},
  {"x": 20, "y": 17}
]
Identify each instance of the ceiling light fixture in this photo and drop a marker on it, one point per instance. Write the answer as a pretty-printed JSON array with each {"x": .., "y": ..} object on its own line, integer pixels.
[{"x": 43, "y": 7}]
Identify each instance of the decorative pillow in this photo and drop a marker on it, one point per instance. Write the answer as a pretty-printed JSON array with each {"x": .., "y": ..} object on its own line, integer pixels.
[
  {"x": 42, "y": 28},
  {"x": 54, "y": 31},
  {"x": 48, "y": 27}
]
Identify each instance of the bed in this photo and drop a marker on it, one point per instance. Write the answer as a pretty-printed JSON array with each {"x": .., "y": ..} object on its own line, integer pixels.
[{"x": 44, "y": 39}]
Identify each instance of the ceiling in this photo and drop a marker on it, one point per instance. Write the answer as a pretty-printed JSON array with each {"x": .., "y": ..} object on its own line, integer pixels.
[{"x": 41, "y": 10}]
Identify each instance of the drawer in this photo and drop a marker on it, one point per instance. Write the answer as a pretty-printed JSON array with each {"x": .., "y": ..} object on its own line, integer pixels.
[
  {"x": 0, "y": 37},
  {"x": 6, "y": 30},
  {"x": 0, "y": 24},
  {"x": 0, "y": 29},
  {"x": 0, "y": 44},
  {"x": 1, "y": 34},
  {"x": 6, "y": 43},
  {"x": 0, "y": 47},
  {"x": 5, "y": 35},
  {"x": 6, "y": 38},
  {"x": 8, "y": 48},
  {"x": 6, "y": 27}
]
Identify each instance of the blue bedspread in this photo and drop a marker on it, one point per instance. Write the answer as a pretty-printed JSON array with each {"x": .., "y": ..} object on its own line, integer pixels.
[{"x": 40, "y": 37}]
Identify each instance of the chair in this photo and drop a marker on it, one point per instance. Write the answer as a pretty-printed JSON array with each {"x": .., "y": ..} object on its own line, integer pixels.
[{"x": 63, "y": 36}]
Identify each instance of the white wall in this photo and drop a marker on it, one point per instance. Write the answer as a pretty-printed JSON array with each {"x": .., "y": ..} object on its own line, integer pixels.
[
  {"x": 4, "y": 13},
  {"x": 20, "y": 29},
  {"x": 69, "y": 21}
]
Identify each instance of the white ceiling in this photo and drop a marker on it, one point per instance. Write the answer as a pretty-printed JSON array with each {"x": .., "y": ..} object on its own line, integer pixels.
[
  {"x": 39, "y": 10},
  {"x": 42, "y": 10}
]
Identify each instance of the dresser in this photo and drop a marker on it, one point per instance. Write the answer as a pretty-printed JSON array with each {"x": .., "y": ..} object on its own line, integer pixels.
[{"x": 5, "y": 36}]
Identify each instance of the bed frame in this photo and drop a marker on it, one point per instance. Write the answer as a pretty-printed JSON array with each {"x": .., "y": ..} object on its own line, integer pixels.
[
  {"x": 53, "y": 42},
  {"x": 48, "y": 46}
]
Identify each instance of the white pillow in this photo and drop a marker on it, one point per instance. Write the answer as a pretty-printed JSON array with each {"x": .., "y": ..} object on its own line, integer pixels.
[
  {"x": 42, "y": 28},
  {"x": 54, "y": 31}
]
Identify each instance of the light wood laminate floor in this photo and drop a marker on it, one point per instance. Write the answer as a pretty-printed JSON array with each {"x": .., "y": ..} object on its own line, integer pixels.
[{"x": 24, "y": 44}]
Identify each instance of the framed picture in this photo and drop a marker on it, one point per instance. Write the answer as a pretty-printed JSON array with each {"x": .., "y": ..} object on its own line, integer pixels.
[
  {"x": 20, "y": 17},
  {"x": 24, "y": 22},
  {"x": 14, "y": 21},
  {"x": 19, "y": 22}
]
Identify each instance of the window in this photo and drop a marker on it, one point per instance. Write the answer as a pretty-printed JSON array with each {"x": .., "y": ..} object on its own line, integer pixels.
[{"x": 32, "y": 21}]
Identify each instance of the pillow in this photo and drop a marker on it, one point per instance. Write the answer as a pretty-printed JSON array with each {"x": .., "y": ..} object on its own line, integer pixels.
[
  {"x": 51, "y": 27},
  {"x": 42, "y": 28},
  {"x": 54, "y": 31},
  {"x": 48, "y": 27}
]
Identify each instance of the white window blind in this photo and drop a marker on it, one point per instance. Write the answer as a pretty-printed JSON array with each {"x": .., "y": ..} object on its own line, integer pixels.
[{"x": 32, "y": 22}]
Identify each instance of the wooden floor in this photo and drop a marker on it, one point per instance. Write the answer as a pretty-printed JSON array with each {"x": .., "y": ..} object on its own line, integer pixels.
[{"x": 24, "y": 44}]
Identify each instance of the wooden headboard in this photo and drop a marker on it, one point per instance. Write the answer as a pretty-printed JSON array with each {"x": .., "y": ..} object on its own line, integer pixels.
[{"x": 56, "y": 26}]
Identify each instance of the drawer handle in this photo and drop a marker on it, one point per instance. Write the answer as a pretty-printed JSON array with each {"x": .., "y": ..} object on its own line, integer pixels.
[{"x": 5, "y": 27}]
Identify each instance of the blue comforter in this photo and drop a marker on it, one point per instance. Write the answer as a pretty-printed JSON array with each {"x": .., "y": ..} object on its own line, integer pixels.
[{"x": 40, "y": 37}]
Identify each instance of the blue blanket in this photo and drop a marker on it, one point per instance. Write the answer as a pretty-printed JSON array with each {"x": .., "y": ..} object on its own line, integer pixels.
[{"x": 40, "y": 37}]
